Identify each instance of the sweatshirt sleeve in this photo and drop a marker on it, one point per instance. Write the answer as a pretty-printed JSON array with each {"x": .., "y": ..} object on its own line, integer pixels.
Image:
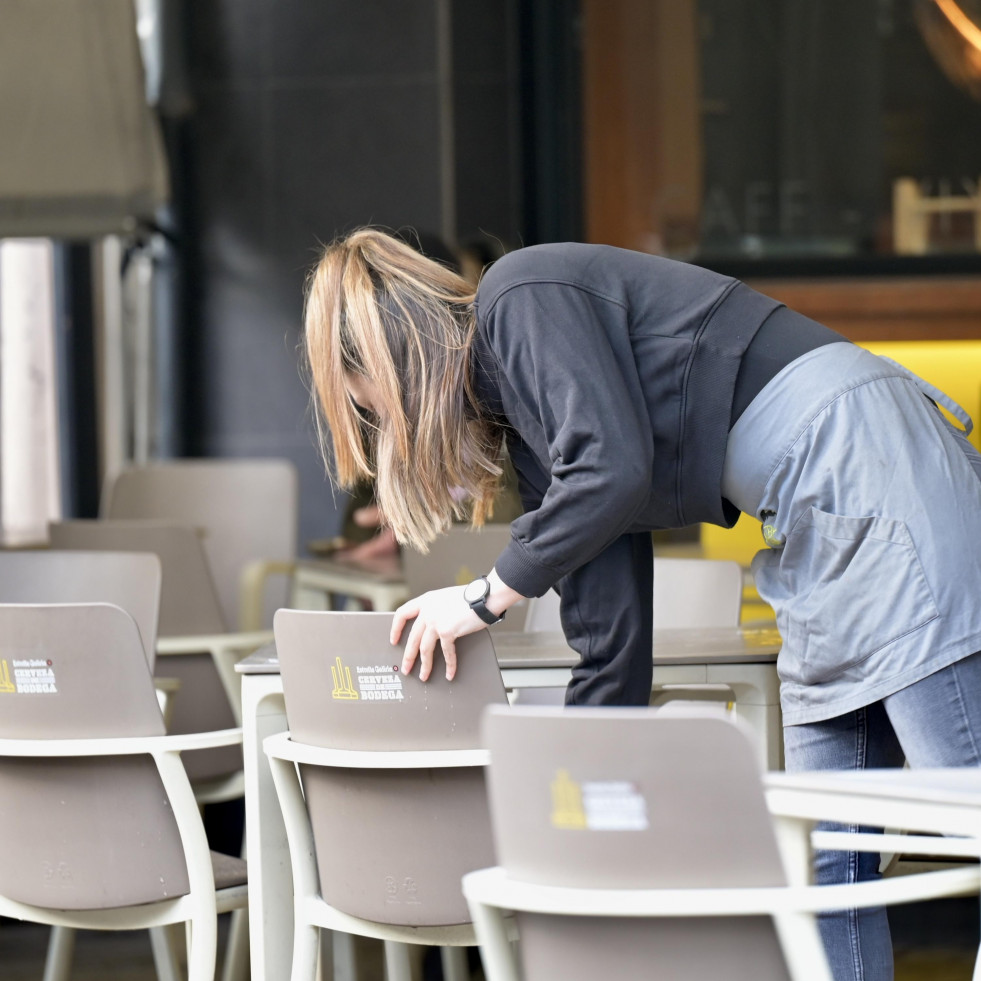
[{"x": 571, "y": 390}]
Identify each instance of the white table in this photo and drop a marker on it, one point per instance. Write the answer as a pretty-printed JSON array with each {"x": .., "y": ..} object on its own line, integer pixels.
[
  {"x": 740, "y": 660},
  {"x": 317, "y": 583},
  {"x": 941, "y": 801},
  {"x": 930, "y": 801},
  {"x": 933, "y": 801},
  {"x": 743, "y": 660}
]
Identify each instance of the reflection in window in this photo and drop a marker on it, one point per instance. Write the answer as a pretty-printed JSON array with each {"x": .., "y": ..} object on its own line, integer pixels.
[
  {"x": 811, "y": 110},
  {"x": 768, "y": 129}
]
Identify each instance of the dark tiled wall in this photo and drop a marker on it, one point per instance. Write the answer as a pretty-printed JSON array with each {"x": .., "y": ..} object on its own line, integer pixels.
[{"x": 309, "y": 117}]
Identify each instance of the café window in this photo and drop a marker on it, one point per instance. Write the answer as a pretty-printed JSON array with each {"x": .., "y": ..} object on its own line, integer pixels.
[{"x": 720, "y": 130}]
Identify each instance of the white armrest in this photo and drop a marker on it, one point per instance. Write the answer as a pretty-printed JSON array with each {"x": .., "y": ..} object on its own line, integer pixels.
[
  {"x": 120, "y": 745},
  {"x": 280, "y": 746},
  {"x": 226, "y": 650},
  {"x": 252, "y": 585},
  {"x": 493, "y": 887},
  {"x": 244, "y": 640},
  {"x": 166, "y": 689}
]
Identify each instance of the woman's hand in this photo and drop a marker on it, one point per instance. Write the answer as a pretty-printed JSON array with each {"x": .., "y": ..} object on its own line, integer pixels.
[
  {"x": 443, "y": 615},
  {"x": 440, "y": 615}
]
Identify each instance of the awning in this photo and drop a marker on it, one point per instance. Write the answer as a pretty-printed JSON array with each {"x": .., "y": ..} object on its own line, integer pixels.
[{"x": 81, "y": 153}]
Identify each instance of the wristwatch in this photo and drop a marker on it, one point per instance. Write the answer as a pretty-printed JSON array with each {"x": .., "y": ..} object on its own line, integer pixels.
[{"x": 476, "y": 593}]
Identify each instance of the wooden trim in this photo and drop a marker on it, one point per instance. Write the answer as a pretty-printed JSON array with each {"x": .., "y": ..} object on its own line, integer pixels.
[
  {"x": 642, "y": 144},
  {"x": 929, "y": 308}
]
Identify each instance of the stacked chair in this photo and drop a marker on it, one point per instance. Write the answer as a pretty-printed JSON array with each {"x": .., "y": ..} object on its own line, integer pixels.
[
  {"x": 225, "y": 533},
  {"x": 245, "y": 511},
  {"x": 381, "y": 783},
  {"x": 108, "y": 830},
  {"x": 193, "y": 646}
]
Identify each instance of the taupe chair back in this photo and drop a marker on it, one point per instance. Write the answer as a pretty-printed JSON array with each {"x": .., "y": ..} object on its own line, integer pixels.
[
  {"x": 343, "y": 691},
  {"x": 188, "y": 607},
  {"x": 696, "y": 593},
  {"x": 77, "y": 830},
  {"x": 687, "y": 593},
  {"x": 130, "y": 581},
  {"x": 623, "y": 799},
  {"x": 457, "y": 557},
  {"x": 245, "y": 510},
  {"x": 188, "y": 598}
]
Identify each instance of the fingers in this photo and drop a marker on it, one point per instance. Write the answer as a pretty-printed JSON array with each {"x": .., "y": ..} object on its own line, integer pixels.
[
  {"x": 405, "y": 613},
  {"x": 432, "y": 625},
  {"x": 421, "y": 643},
  {"x": 449, "y": 655}
]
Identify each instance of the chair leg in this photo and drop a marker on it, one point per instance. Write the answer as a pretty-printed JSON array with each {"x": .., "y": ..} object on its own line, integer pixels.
[
  {"x": 345, "y": 958},
  {"x": 454, "y": 961},
  {"x": 306, "y": 944},
  {"x": 168, "y": 947},
  {"x": 802, "y": 947},
  {"x": 61, "y": 946},
  {"x": 498, "y": 954},
  {"x": 202, "y": 948},
  {"x": 236, "y": 966},
  {"x": 398, "y": 964}
]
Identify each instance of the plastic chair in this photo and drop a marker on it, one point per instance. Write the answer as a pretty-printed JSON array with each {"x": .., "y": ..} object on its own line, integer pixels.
[
  {"x": 197, "y": 684},
  {"x": 388, "y": 809},
  {"x": 107, "y": 830},
  {"x": 687, "y": 593},
  {"x": 129, "y": 581},
  {"x": 457, "y": 557},
  {"x": 246, "y": 512},
  {"x": 660, "y": 861},
  {"x": 696, "y": 593},
  {"x": 194, "y": 644}
]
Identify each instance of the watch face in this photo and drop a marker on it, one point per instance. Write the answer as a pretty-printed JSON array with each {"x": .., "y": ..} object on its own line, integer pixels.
[{"x": 476, "y": 590}]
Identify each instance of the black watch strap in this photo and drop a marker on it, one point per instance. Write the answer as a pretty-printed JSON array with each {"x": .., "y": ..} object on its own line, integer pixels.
[{"x": 479, "y": 605}]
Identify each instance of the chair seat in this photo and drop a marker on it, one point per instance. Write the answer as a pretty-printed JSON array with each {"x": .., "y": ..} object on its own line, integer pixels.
[{"x": 228, "y": 870}]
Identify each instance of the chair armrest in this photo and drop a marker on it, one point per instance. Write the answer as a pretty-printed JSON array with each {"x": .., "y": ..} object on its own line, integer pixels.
[
  {"x": 226, "y": 651},
  {"x": 166, "y": 688},
  {"x": 493, "y": 887},
  {"x": 243, "y": 640},
  {"x": 252, "y": 585},
  {"x": 280, "y": 746},
  {"x": 120, "y": 745}
]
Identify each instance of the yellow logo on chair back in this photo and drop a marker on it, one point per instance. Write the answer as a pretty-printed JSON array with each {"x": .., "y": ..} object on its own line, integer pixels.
[
  {"x": 567, "y": 809},
  {"x": 343, "y": 686},
  {"x": 6, "y": 682},
  {"x": 464, "y": 576}
]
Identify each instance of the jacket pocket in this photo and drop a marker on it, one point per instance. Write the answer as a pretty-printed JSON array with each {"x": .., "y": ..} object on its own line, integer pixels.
[{"x": 856, "y": 586}]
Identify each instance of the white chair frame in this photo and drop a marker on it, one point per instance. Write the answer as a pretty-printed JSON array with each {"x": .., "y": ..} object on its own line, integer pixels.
[
  {"x": 492, "y": 895},
  {"x": 199, "y": 908},
  {"x": 311, "y": 912}
]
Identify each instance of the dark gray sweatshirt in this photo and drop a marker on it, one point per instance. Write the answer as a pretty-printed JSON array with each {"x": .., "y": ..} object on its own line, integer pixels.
[{"x": 616, "y": 372}]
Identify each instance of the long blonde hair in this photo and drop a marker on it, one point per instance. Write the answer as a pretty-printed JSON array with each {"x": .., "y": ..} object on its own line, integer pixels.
[{"x": 377, "y": 308}]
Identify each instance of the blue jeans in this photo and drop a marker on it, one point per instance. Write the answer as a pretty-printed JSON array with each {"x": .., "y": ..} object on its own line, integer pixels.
[{"x": 935, "y": 722}]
